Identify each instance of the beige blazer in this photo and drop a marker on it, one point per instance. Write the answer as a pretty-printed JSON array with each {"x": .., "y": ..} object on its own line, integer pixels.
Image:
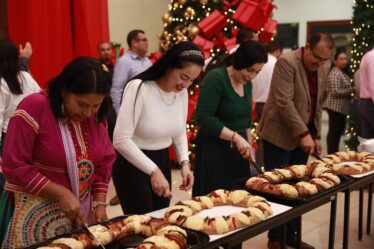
[{"x": 288, "y": 106}]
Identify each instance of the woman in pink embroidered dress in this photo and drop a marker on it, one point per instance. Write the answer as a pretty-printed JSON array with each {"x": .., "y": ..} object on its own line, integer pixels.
[{"x": 58, "y": 156}]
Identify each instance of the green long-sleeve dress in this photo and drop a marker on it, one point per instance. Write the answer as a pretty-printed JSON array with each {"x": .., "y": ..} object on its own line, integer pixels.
[{"x": 218, "y": 165}]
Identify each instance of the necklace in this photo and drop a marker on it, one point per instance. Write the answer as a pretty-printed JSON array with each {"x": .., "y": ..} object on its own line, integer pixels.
[
  {"x": 81, "y": 140},
  {"x": 164, "y": 100}
]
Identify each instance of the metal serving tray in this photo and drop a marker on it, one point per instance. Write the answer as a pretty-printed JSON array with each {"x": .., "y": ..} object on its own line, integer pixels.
[
  {"x": 195, "y": 239},
  {"x": 344, "y": 181}
]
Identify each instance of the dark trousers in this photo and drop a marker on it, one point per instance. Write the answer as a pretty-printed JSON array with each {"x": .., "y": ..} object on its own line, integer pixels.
[
  {"x": 337, "y": 122},
  {"x": 260, "y": 150},
  {"x": 133, "y": 186},
  {"x": 367, "y": 118},
  {"x": 276, "y": 157}
]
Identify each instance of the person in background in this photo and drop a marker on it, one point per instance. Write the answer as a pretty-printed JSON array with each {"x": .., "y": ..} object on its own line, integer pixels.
[
  {"x": 290, "y": 125},
  {"x": 58, "y": 156},
  {"x": 261, "y": 88},
  {"x": 153, "y": 116},
  {"x": 220, "y": 60},
  {"x": 24, "y": 56},
  {"x": 223, "y": 114},
  {"x": 133, "y": 62},
  {"x": 366, "y": 75},
  {"x": 338, "y": 101},
  {"x": 105, "y": 55},
  {"x": 14, "y": 86},
  {"x": 261, "y": 83}
]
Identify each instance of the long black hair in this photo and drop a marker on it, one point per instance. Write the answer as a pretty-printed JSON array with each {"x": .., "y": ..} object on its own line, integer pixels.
[
  {"x": 83, "y": 75},
  {"x": 178, "y": 56},
  {"x": 9, "y": 65}
]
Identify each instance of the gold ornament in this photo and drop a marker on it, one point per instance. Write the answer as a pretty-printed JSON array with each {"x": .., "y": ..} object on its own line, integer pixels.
[
  {"x": 182, "y": 2},
  {"x": 166, "y": 18},
  {"x": 192, "y": 30},
  {"x": 203, "y": 2}
]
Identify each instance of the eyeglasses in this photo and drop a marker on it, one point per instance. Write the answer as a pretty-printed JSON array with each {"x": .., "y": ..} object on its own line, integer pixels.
[
  {"x": 143, "y": 40},
  {"x": 319, "y": 58}
]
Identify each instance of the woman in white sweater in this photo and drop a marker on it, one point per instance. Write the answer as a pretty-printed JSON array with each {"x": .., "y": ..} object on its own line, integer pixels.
[
  {"x": 14, "y": 84},
  {"x": 153, "y": 116}
]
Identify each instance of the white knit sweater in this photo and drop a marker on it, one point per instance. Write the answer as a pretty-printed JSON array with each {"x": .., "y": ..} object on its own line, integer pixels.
[{"x": 155, "y": 121}]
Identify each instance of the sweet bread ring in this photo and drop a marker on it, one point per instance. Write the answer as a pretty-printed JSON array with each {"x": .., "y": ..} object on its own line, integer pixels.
[
  {"x": 276, "y": 182},
  {"x": 161, "y": 235},
  {"x": 184, "y": 212},
  {"x": 347, "y": 163}
]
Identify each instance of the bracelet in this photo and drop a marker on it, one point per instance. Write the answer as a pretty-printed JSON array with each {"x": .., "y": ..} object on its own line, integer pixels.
[
  {"x": 98, "y": 203},
  {"x": 184, "y": 162},
  {"x": 232, "y": 140}
]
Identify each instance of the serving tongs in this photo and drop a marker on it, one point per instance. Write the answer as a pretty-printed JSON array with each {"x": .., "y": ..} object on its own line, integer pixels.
[{"x": 87, "y": 229}]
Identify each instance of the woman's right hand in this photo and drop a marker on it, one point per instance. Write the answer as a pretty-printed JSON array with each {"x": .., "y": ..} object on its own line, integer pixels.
[
  {"x": 159, "y": 184},
  {"x": 71, "y": 207},
  {"x": 242, "y": 145}
]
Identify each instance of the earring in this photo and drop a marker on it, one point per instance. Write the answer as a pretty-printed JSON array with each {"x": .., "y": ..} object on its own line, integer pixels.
[{"x": 63, "y": 109}]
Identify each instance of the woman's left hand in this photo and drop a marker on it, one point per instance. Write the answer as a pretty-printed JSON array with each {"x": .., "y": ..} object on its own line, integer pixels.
[
  {"x": 99, "y": 214},
  {"x": 187, "y": 177}
]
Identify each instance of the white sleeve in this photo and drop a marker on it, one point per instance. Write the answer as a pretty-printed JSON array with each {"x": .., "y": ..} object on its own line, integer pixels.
[
  {"x": 127, "y": 119},
  {"x": 4, "y": 95},
  {"x": 370, "y": 77},
  {"x": 180, "y": 142}
]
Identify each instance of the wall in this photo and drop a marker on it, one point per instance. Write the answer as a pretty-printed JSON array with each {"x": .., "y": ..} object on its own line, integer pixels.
[
  {"x": 302, "y": 11},
  {"x": 125, "y": 15}
]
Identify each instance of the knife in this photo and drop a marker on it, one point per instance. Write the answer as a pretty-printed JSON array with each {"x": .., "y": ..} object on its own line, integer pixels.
[
  {"x": 252, "y": 161},
  {"x": 94, "y": 236},
  {"x": 316, "y": 156}
]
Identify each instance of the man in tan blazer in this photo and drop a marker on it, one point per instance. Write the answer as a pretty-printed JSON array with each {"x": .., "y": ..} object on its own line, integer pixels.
[{"x": 290, "y": 125}]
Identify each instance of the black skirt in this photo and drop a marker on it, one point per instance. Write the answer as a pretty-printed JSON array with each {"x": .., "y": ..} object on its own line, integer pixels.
[{"x": 217, "y": 165}]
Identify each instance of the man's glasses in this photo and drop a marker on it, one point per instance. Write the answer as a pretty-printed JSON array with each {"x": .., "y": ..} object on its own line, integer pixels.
[
  {"x": 143, "y": 40},
  {"x": 319, "y": 58}
]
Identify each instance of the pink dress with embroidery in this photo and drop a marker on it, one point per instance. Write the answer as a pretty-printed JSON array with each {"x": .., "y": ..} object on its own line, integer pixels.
[{"x": 34, "y": 154}]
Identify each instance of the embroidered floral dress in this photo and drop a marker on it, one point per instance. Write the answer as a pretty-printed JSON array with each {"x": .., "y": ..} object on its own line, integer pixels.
[{"x": 40, "y": 149}]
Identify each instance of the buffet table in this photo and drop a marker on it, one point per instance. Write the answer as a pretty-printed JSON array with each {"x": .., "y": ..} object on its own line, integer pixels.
[
  {"x": 359, "y": 182},
  {"x": 282, "y": 214}
]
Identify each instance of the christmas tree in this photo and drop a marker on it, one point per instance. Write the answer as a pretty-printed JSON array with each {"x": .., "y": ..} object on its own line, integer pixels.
[
  {"x": 213, "y": 25},
  {"x": 363, "y": 28}
]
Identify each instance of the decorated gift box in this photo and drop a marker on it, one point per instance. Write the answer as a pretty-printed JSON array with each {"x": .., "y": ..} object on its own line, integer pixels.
[
  {"x": 212, "y": 24},
  {"x": 204, "y": 44},
  {"x": 253, "y": 14}
]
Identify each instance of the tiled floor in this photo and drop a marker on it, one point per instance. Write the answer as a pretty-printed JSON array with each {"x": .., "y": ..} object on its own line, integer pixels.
[{"x": 315, "y": 223}]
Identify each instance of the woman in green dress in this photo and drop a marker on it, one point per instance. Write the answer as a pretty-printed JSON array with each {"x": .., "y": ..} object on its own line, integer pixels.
[{"x": 224, "y": 115}]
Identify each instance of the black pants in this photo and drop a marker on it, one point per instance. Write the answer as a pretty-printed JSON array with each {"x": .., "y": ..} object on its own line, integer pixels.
[
  {"x": 336, "y": 128},
  {"x": 367, "y": 118},
  {"x": 133, "y": 186},
  {"x": 276, "y": 157}
]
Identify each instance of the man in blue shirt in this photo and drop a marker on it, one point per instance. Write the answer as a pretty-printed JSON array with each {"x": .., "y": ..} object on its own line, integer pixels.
[{"x": 133, "y": 62}]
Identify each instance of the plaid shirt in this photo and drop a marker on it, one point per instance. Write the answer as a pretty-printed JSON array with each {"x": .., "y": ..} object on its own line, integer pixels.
[{"x": 339, "y": 92}]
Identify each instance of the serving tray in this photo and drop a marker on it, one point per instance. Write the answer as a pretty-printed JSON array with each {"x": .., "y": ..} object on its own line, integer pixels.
[
  {"x": 240, "y": 184},
  {"x": 195, "y": 239}
]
